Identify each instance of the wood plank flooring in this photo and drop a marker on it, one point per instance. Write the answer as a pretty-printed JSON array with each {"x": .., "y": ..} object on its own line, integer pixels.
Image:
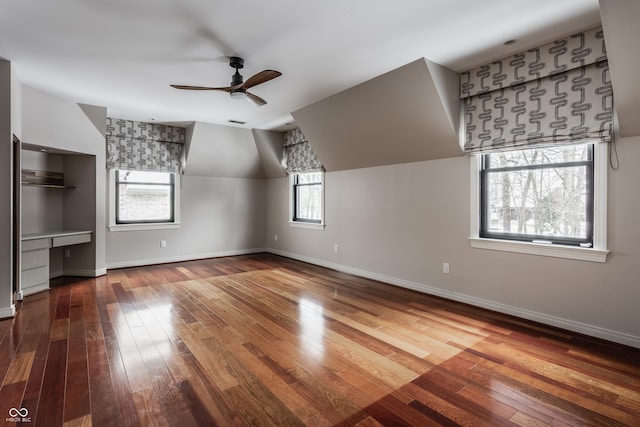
[{"x": 268, "y": 341}]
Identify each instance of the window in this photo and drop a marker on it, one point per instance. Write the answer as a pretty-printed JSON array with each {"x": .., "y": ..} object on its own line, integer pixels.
[
  {"x": 143, "y": 199},
  {"x": 542, "y": 194},
  {"x": 544, "y": 201},
  {"x": 307, "y": 196}
]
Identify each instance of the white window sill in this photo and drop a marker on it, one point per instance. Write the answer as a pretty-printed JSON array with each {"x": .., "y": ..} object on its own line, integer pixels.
[
  {"x": 141, "y": 227},
  {"x": 558, "y": 251},
  {"x": 307, "y": 225}
]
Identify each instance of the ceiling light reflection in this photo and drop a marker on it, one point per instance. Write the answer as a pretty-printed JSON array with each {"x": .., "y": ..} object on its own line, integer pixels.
[{"x": 310, "y": 316}]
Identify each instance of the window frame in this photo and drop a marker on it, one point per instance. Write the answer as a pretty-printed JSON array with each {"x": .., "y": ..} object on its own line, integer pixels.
[
  {"x": 485, "y": 171},
  {"x": 116, "y": 225},
  {"x": 597, "y": 253},
  {"x": 294, "y": 219}
]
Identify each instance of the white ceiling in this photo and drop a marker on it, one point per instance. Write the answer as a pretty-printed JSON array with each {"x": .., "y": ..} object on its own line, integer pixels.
[{"x": 123, "y": 54}]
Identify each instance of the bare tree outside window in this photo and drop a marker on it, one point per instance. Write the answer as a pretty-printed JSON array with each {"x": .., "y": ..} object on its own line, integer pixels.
[
  {"x": 540, "y": 193},
  {"x": 308, "y": 197}
]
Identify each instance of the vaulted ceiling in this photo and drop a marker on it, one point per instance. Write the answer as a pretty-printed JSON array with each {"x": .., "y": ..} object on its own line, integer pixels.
[{"x": 124, "y": 55}]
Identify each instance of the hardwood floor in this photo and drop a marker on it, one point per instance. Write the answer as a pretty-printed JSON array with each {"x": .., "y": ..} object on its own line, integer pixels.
[{"x": 264, "y": 340}]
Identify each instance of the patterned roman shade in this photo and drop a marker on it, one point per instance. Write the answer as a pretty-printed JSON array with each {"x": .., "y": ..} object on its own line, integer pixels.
[
  {"x": 144, "y": 146},
  {"x": 298, "y": 154},
  {"x": 557, "y": 93}
]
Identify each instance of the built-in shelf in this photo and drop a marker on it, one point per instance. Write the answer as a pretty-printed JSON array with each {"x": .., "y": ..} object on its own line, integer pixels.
[
  {"x": 28, "y": 184},
  {"x": 47, "y": 179}
]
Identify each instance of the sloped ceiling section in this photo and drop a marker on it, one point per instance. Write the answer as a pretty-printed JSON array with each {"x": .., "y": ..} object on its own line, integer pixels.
[
  {"x": 270, "y": 147},
  {"x": 621, "y": 34},
  {"x": 222, "y": 151},
  {"x": 59, "y": 124},
  {"x": 406, "y": 115}
]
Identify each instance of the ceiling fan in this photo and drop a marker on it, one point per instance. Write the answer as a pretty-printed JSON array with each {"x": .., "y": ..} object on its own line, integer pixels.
[{"x": 238, "y": 88}]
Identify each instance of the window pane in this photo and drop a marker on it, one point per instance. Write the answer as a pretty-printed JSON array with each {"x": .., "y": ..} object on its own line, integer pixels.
[
  {"x": 144, "y": 197},
  {"x": 144, "y": 176},
  {"x": 306, "y": 178},
  {"x": 540, "y": 156},
  {"x": 140, "y": 202},
  {"x": 539, "y": 202},
  {"x": 309, "y": 199}
]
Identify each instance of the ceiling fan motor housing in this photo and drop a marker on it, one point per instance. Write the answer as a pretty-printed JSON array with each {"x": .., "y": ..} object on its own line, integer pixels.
[{"x": 237, "y": 63}]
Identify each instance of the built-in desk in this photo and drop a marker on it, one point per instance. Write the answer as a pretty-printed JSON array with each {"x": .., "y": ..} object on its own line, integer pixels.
[{"x": 34, "y": 274}]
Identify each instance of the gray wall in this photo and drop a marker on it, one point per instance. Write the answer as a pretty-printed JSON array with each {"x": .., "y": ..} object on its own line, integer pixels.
[
  {"x": 6, "y": 190},
  {"x": 43, "y": 208},
  {"x": 408, "y": 114},
  {"x": 222, "y": 151},
  {"x": 219, "y": 216},
  {"x": 222, "y": 204},
  {"x": 395, "y": 223},
  {"x": 68, "y": 128},
  {"x": 83, "y": 211},
  {"x": 400, "y": 223}
]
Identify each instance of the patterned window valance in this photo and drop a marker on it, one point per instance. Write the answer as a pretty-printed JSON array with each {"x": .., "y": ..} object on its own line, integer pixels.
[
  {"x": 558, "y": 93},
  {"x": 298, "y": 154},
  {"x": 144, "y": 146}
]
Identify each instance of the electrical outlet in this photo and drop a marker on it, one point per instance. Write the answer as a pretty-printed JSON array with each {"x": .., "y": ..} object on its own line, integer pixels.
[
  {"x": 275, "y": 237},
  {"x": 335, "y": 248},
  {"x": 445, "y": 267},
  {"x": 163, "y": 243},
  {"x": 67, "y": 252}
]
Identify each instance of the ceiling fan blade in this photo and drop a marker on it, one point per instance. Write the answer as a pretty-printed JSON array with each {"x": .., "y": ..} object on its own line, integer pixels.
[
  {"x": 255, "y": 99},
  {"x": 261, "y": 77},
  {"x": 224, "y": 89}
]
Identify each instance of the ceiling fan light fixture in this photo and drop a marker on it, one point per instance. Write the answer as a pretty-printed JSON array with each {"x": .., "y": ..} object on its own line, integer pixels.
[{"x": 238, "y": 94}]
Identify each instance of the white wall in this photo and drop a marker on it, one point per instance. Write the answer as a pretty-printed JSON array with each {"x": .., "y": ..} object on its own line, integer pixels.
[
  {"x": 219, "y": 216},
  {"x": 400, "y": 223}
]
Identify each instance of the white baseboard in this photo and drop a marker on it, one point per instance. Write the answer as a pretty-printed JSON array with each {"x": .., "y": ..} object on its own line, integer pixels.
[
  {"x": 8, "y": 311},
  {"x": 180, "y": 258},
  {"x": 570, "y": 325},
  {"x": 35, "y": 289},
  {"x": 85, "y": 273},
  {"x": 79, "y": 273}
]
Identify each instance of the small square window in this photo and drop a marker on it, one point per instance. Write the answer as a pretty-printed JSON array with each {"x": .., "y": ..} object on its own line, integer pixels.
[{"x": 144, "y": 197}]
